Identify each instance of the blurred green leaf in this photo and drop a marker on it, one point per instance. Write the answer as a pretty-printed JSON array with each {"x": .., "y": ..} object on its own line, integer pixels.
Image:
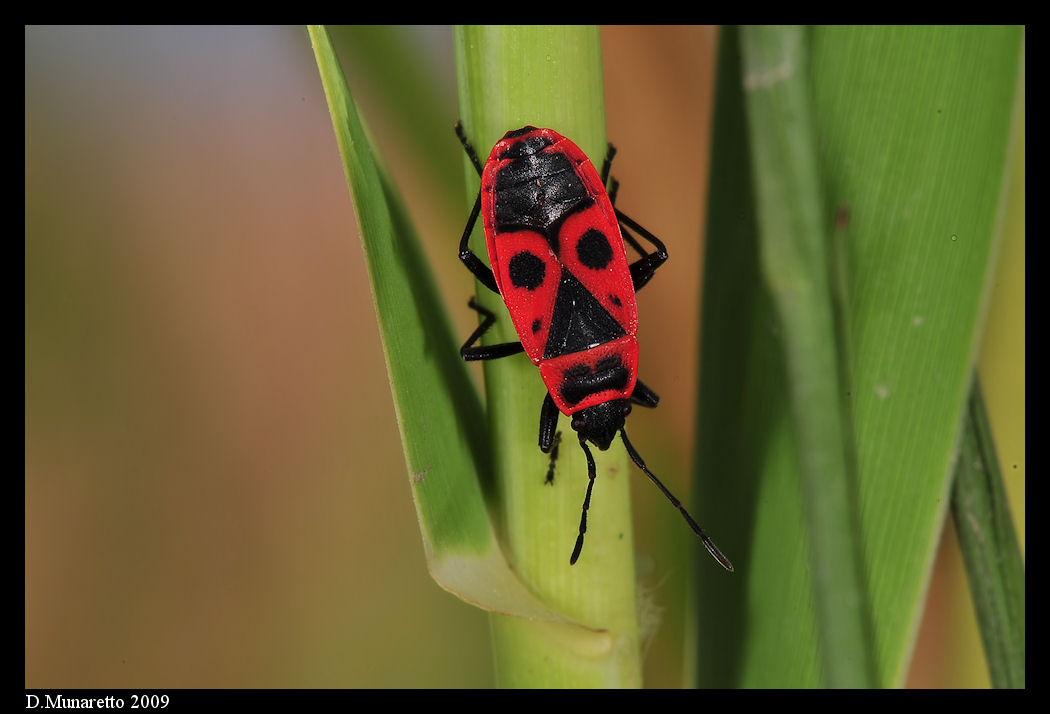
[
  {"x": 405, "y": 80},
  {"x": 795, "y": 263},
  {"x": 989, "y": 547},
  {"x": 912, "y": 130}
]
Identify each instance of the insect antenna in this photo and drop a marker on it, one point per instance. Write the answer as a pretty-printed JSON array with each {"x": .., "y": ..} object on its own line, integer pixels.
[
  {"x": 586, "y": 503},
  {"x": 711, "y": 547}
]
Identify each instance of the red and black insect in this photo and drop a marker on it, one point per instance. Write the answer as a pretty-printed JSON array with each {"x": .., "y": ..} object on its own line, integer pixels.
[{"x": 556, "y": 246}]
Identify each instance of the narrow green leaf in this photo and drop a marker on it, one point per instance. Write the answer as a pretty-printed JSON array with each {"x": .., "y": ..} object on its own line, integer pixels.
[
  {"x": 438, "y": 410},
  {"x": 989, "y": 547},
  {"x": 911, "y": 127},
  {"x": 401, "y": 74},
  {"x": 510, "y": 77}
]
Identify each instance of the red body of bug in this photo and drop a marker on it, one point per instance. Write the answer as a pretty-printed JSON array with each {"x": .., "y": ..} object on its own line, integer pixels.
[{"x": 558, "y": 260}]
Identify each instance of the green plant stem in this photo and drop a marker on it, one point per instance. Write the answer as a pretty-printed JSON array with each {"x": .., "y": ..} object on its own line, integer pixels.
[
  {"x": 989, "y": 547},
  {"x": 794, "y": 252},
  {"x": 510, "y": 77}
]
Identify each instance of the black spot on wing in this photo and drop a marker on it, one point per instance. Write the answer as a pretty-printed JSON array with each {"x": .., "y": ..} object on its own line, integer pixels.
[
  {"x": 593, "y": 249},
  {"x": 527, "y": 270}
]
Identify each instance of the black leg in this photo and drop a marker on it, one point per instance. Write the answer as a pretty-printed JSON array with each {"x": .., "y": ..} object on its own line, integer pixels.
[
  {"x": 550, "y": 437},
  {"x": 481, "y": 271},
  {"x": 633, "y": 242},
  {"x": 642, "y": 270},
  {"x": 548, "y": 423},
  {"x": 643, "y": 396},
  {"x": 467, "y": 147},
  {"x": 554, "y": 458},
  {"x": 591, "y": 472},
  {"x": 486, "y": 352},
  {"x": 614, "y": 189},
  {"x": 606, "y": 168}
]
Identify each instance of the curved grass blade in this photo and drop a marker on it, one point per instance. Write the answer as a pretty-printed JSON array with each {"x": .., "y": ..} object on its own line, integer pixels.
[
  {"x": 439, "y": 414},
  {"x": 989, "y": 546},
  {"x": 912, "y": 129},
  {"x": 401, "y": 77}
]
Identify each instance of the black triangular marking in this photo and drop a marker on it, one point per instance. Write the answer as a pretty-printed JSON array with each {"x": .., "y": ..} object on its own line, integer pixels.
[{"x": 579, "y": 321}]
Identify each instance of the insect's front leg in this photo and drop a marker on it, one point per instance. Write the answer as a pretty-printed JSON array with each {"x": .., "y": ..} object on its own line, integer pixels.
[
  {"x": 468, "y": 147},
  {"x": 474, "y": 264},
  {"x": 481, "y": 271}
]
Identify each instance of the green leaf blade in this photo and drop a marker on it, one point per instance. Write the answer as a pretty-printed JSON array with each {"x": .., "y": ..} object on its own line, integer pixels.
[
  {"x": 922, "y": 158},
  {"x": 438, "y": 409},
  {"x": 794, "y": 259},
  {"x": 989, "y": 546},
  {"x": 912, "y": 127},
  {"x": 421, "y": 355}
]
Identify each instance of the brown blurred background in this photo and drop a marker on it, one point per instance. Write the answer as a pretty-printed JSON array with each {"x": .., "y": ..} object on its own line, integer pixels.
[{"x": 214, "y": 487}]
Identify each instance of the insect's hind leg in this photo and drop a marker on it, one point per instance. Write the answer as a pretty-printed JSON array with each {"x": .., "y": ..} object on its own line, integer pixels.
[
  {"x": 550, "y": 437},
  {"x": 554, "y": 459},
  {"x": 548, "y": 423},
  {"x": 486, "y": 352},
  {"x": 643, "y": 396}
]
